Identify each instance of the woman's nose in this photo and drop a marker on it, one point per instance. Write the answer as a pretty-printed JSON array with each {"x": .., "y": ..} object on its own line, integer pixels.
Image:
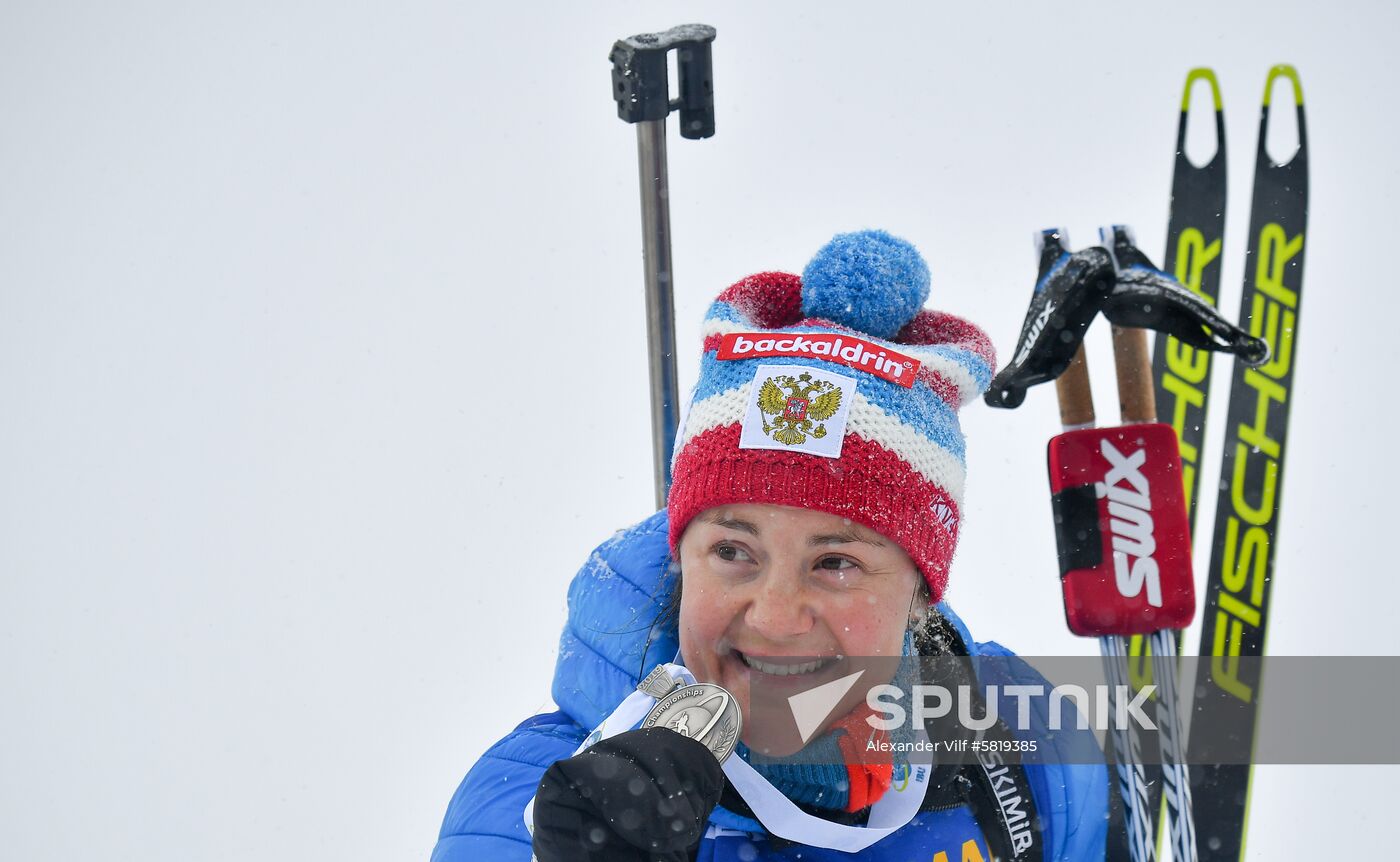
[{"x": 778, "y": 609}]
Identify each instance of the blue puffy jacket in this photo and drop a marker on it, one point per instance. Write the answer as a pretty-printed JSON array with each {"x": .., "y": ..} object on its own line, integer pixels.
[{"x": 612, "y": 603}]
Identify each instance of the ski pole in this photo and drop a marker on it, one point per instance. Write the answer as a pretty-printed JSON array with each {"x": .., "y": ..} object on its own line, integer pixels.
[
  {"x": 1120, "y": 510},
  {"x": 1175, "y": 773},
  {"x": 641, "y": 87},
  {"x": 1119, "y": 504},
  {"x": 1137, "y": 399},
  {"x": 1076, "y": 402}
]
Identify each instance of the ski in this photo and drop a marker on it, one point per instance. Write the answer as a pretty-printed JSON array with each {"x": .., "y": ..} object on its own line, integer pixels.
[
  {"x": 1240, "y": 578},
  {"x": 1195, "y": 233},
  {"x": 1181, "y": 377},
  {"x": 1195, "y": 238}
]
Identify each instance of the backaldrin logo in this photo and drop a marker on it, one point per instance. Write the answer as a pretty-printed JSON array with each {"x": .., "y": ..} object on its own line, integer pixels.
[{"x": 844, "y": 350}]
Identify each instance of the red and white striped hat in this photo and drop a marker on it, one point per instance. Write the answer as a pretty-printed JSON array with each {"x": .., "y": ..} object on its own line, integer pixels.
[{"x": 837, "y": 392}]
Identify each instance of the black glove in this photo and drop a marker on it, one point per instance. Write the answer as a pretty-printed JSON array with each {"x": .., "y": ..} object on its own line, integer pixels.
[{"x": 640, "y": 796}]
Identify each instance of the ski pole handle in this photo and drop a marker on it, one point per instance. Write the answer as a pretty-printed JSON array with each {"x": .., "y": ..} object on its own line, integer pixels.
[
  {"x": 1132, "y": 361},
  {"x": 1137, "y": 398},
  {"x": 1073, "y": 392}
]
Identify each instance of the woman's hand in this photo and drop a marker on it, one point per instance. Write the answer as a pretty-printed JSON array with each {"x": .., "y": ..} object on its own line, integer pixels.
[{"x": 640, "y": 796}]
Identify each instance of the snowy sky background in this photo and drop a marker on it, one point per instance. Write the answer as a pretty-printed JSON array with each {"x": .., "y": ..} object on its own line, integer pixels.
[{"x": 322, "y": 361}]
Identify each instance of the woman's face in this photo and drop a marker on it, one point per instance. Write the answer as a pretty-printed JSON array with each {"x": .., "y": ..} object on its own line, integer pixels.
[{"x": 779, "y": 597}]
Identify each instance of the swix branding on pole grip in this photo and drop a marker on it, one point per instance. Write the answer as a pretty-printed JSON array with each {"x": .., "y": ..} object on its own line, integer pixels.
[
  {"x": 847, "y": 350},
  {"x": 1129, "y": 496},
  {"x": 1034, "y": 332},
  {"x": 1125, "y": 547}
]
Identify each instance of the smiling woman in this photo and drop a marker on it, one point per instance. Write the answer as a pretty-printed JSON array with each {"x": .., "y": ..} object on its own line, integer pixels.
[
  {"x": 805, "y": 546},
  {"x": 778, "y": 597}
]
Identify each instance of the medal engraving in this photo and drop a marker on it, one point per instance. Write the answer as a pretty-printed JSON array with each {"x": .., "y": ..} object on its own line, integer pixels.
[
  {"x": 658, "y": 683},
  {"x": 702, "y": 711}
]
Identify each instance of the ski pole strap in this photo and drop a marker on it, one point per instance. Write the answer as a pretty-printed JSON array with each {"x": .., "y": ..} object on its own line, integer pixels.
[{"x": 641, "y": 86}]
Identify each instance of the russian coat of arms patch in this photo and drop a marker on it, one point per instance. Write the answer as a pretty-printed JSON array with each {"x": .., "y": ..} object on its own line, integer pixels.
[{"x": 798, "y": 408}]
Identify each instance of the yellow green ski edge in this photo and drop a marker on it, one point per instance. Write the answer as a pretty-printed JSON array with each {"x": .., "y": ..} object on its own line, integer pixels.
[
  {"x": 1205, "y": 73},
  {"x": 1282, "y": 70}
]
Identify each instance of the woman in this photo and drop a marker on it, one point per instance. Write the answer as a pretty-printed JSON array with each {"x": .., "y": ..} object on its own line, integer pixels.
[{"x": 813, "y": 515}]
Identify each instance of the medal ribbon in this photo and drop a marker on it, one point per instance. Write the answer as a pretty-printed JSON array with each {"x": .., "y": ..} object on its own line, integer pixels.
[{"x": 778, "y": 814}]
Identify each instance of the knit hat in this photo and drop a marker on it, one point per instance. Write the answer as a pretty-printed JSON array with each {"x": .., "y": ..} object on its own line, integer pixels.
[{"x": 836, "y": 391}]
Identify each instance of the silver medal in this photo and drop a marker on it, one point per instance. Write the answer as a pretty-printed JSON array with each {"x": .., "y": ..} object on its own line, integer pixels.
[{"x": 702, "y": 711}]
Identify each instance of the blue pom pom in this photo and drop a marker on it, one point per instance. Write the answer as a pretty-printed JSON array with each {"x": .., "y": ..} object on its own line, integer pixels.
[{"x": 868, "y": 280}]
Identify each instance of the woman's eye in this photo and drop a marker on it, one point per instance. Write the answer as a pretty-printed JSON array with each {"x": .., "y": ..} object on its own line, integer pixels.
[
  {"x": 731, "y": 553},
  {"x": 837, "y": 564}
]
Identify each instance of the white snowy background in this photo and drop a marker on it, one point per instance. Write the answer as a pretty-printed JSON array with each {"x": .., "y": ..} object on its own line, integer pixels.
[{"x": 322, "y": 362}]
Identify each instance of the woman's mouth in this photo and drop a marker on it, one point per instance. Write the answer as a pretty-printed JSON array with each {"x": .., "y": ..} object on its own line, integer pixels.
[{"x": 788, "y": 668}]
